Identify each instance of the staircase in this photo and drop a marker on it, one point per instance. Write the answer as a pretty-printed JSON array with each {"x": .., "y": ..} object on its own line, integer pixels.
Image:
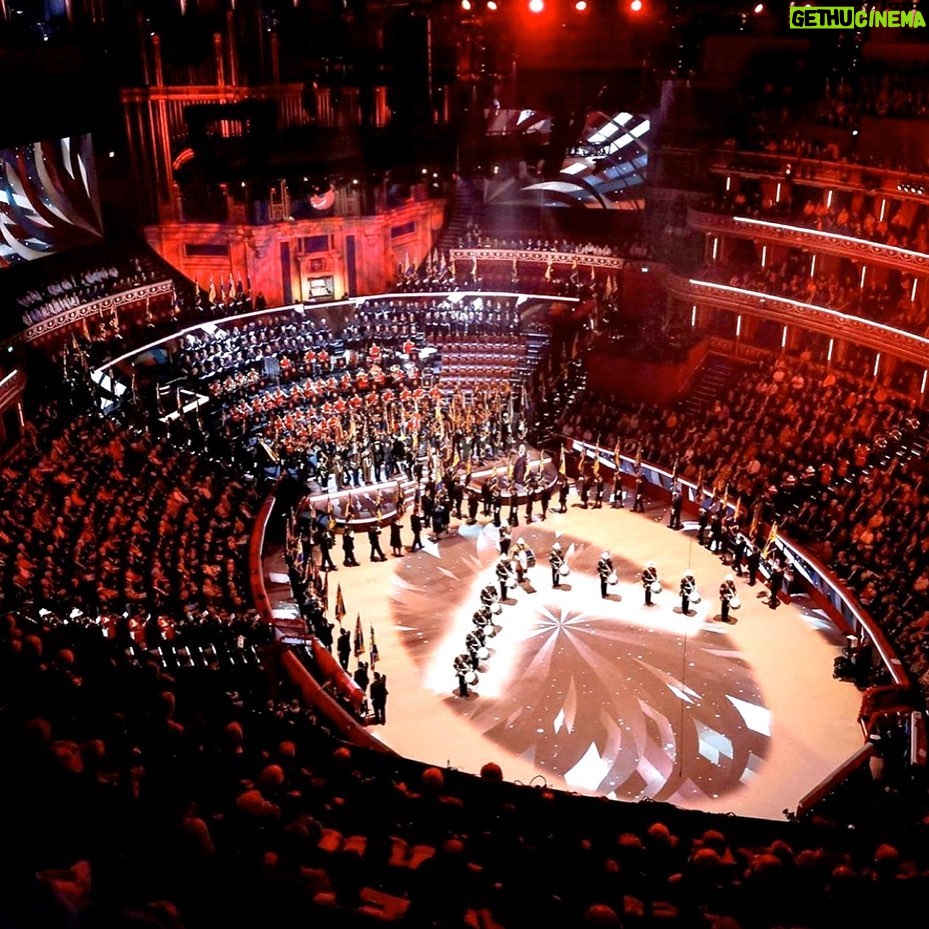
[
  {"x": 466, "y": 207},
  {"x": 713, "y": 378}
]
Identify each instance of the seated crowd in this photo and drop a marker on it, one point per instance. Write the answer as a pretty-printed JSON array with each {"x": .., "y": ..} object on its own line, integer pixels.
[
  {"x": 107, "y": 519},
  {"x": 148, "y": 799},
  {"x": 888, "y": 303},
  {"x": 74, "y": 289},
  {"x": 894, "y": 228}
]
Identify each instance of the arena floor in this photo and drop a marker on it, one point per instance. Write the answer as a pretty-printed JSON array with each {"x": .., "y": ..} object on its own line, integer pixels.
[{"x": 604, "y": 697}]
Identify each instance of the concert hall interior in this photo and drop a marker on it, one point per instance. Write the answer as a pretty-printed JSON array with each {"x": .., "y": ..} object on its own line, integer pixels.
[{"x": 464, "y": 464}]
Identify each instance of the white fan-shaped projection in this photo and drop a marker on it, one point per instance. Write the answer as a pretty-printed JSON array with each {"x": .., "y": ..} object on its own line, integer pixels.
[{"x": 322, "y": 200}]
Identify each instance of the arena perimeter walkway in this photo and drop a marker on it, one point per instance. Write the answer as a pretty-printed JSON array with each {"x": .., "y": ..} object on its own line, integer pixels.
[{"x": 603, "y": 697}]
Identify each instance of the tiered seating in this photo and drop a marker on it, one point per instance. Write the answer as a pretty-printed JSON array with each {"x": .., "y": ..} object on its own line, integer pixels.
[{"x": 474, "y": 363}]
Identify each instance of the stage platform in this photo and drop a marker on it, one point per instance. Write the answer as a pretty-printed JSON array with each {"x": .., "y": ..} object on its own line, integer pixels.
[{"x": 603, "y": 697}]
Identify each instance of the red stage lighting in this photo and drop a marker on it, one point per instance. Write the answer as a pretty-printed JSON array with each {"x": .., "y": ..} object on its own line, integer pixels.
[
  {"x": 536, "y": 6},
  {"x": 466, "y": 5},
  {"x": 636, "y": 6},
  {"x": 580, "y": 6},
  {"x": 492, "y": 6}
]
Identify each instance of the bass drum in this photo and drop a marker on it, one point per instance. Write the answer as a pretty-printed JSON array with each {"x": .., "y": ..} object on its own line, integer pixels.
[
  {"x": 563, "y": 570},
  {"x": 735, "y": 603},
  {"x": 656, "y": 587},
  {"x": 612, "y": 579}
]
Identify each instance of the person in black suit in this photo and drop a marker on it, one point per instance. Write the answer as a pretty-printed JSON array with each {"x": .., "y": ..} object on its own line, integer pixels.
[
  {"x": 545, "y": 497},
  {"x": 638, "y": 503},
  {"x": 563, "y": 495},
  {"x": 348, "y": 547},
  {"x": 506, "y": 535},
  {"x": 738, "y": 552},
  {"x": 374, "y": 538},
  {"x": 703, "y": 520},
  {"x": 344, "y": 648},
  {"x": 752, "y": 563},
  {"x": 473, "y": 501},
  {"x": 677, "y": 504},
  {"x": 396, "y": 542},
  {"x": 775, "y": 583},
  {"x": 379, "y": 693},
  {"x": 326, "y": 541},
  {"x": 726, "y": 593},
  {"x": 416, "y": 526}
]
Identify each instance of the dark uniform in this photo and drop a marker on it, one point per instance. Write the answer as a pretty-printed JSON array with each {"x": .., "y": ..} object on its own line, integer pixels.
[
  {"x": 556, "y": 560},
  {"x": 604, "y": 569},
  {"x": 688, "y": 586},
  {"x": 649, "y": 576}
]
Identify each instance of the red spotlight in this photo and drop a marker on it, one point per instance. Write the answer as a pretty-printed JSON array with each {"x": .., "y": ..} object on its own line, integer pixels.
[
  {"x": 536, "y": 6},
  {"x": 580, "y": 6},
  {"x": 466, "y": 5},
  {"x": 492, "y": 6},
  {"x": 636, "y": 6}
]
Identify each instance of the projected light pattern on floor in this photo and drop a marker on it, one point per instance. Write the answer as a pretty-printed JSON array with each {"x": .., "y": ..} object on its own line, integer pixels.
[{"x": 614, "y": 698}]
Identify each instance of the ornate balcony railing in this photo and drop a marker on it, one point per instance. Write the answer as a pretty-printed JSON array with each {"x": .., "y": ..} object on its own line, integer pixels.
[
  {"x": 880, "y": 337},
  {"x": 797, "y": 236}
]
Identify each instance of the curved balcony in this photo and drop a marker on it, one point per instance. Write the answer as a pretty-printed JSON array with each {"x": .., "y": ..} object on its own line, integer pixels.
[
  {"x": 790, "y": 312},
  {"x": 832, "y": 243},
  {"x": 606, "y": 262},
  {"x": 817, "y": 172}
]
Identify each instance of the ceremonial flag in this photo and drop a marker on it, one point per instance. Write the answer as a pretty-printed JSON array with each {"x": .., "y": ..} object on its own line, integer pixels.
[
  {"x": 618, "y": 455},
  {"x": 756, "y": 519},
  {"x": 700, "y": 486},
  {"x": 772, "y": 538},
  {"x": 474, "y": 267},
  {"x": 548, "y": 270},
  {"x": 359, "y": 637},
  {"x": 638, "y": 457},
  {"x": 212, "y": 293},
  {"x": 373, "y": 653},
  {"x": 515, "y": 267},
  {"x": 340, "y": 610},
  {"x": 325, "y": 592},
  {"x": 738, "y": 509},
  {"x": 596, "y": 467},
  {"x": 509, "y": 467},
  {"x": 563, "y": 466},
  {"x": 674, "y": 470}
]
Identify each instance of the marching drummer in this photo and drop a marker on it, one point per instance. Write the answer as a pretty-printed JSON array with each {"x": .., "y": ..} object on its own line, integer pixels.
[
  {"x": 606, "y": 571},
  {"x": 649, "y": 582},
  {"x": 505, "y": 575},
  {"x": 726, "y": 595},
  {"x": 688, "y": 590},
  {"x": 464, "y": 671},
  {"x": 557, "y": 562},
  {"x": 474, "y": 644}
]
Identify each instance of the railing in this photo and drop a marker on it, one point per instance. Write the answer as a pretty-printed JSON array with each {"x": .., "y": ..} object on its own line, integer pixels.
[
  {"x": 607, "y": 262},
  {"x": 94, "y": 308},
  {"x": 833, "y": 323},
  {"x": 256, "y": 544},
  {"x": 799, "y": 236},
  {"x": 817, "y": 576}
]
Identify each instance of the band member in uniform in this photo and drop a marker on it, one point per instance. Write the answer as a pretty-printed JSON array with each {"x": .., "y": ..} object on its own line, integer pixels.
[
  {"x": 473, "y": 644},
  {"x": 726, "y": 593},
  {"x": 504, "y": 573},
  {"x": 605, "y": 569},
  {"x": 583, "y": 486},
  {"x": 496, "y": 505},
  {"x": 326, "y": 541},
  {"x": 703, "y": 520},
  {"x": 513, "y": 518},
  {"x": 462, "y": 667},
  {"x": 649, "y": 576},
  {"x": 489, "y": 597},
  {"x": 556, "y": 560},
  {"x": 473, "y": 501},
  {"x": 522, "y": 560},
  {"x": 688, "y": 587},
  {"x": 738, "y": 551},
  {"x": 484, "y": 621}
]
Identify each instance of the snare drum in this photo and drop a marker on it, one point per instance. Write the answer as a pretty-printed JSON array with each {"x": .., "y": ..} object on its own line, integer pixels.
[
  {"x": 563, "y": 570},
  {"x": 471, "y": 677},
  {"x": 656, "y": 587},
  {"x": 512, "y": 583},
  {"x": 496, "y": 608},
  {"x": 612, "y": 579},
  {"x": 483, "y": 653},
  {"x": 695, "y": 597},
  {"x": 735, "y": 603}
]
